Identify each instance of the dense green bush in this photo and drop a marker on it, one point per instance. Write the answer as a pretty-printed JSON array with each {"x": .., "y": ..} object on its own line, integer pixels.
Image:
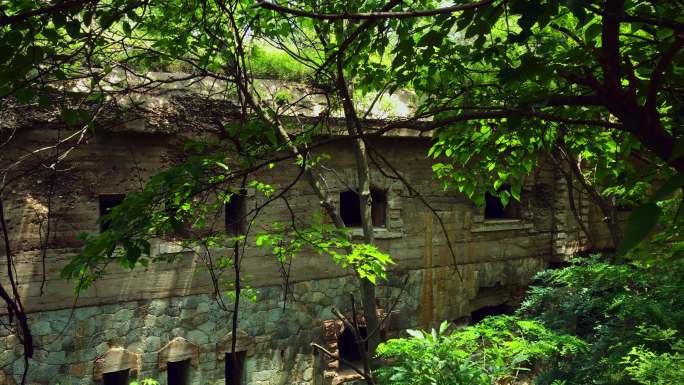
[
  {"x": 647, "y": 367},
  {"x": 589, "y": 323},
  {"x": 498, "y": 349},
  {"x": 622, "y": 311}
]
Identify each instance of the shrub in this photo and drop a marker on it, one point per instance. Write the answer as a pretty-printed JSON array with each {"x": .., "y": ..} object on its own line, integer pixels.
[
  {"x": 620, "y": 310},
  {"x": 589, "y": 323},
  {"x": 494, "y": 350}
]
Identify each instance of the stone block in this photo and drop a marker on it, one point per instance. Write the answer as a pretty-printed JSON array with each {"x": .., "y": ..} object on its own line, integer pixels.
[
  {"x": 44, "y": 373},
  {"x": 41, "y": 328},
  {"x": 190, "y": 302},
  {"x": 11, "y": 341},
  {"x": 6, "y": 358},
  {"x": 56, "y": 358},
  {"x": 152, "y": 343},
  {"x": 157, "y": 307},
  {"x": 116, "y": 359},
  {"x": 197, "y": 337},
  {"x": 77, "y": 370},
  {"x": 202, "y": 307},
  {"x": 273, "y": 315}
]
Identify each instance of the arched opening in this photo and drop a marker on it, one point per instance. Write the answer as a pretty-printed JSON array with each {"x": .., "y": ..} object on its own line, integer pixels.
[{"x": 482, "y": 313}]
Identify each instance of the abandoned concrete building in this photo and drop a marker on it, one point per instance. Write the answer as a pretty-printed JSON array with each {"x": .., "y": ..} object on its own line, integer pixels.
[{"x": 162, "y": 321}]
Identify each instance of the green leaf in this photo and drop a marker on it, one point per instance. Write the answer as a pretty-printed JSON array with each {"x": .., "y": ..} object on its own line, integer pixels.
[
  {"x": 668, "y": 188},
  {"x": 126, "y": 28},
  {"x": 415, "y": 333},
  {"x": 443, "y": 327},
  {"x": 592, "y": 32},
  {"x": 431, "y": 38},
  {"x": 641, "y": 221},
  {"x": 71, "y": 117},
  {"x": 73, "y": 28},
  {"x": 577, "y": 8}
]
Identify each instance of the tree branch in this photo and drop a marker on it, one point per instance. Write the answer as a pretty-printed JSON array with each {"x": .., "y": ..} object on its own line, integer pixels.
[
  {"x": 579, "y": 100},
  {"x": 371, "y": 15},
  {"x": 660, "y": 22},
  {"x": 56, "y": 8},
  {"x": 424, "y": 126},
  {"x": 352, "y": 36},
  {"x": 659, "y": 71},
  {"x": 337, "y": 357},
  {"x": 610, "y": 46}
]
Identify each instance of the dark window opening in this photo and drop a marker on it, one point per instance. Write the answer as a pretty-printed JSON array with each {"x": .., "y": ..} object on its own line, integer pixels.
[
  {"x": 379, "y": 207},
  {"x": 178, "y": 372},
  {"x": 107, "y": 203},
  {"x": 480, "y": 314},
  {"x": 495, "y": 209},
  {"x": 235, "y": 365},
  {"x": 346, "y": 345},
  {"x": 116, "y": 378},
  {"x": 236, "y": 212},
  {"x": 350, "y": 208}
]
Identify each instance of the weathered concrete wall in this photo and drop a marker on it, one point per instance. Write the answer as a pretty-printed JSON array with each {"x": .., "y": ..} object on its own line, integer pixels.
[
  {"x": 127, "y": 318},
  {"x": 568, "y": 236},
  {"x": 119, "y": 163}
]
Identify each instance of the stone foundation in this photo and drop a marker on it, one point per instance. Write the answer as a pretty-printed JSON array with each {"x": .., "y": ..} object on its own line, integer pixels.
[{"x": 78, "y": 346}]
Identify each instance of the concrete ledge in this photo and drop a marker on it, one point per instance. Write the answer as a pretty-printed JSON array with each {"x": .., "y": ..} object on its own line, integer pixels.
[
  {"x": 501, "y": 225},
  {"x": 378, "y": 233}
]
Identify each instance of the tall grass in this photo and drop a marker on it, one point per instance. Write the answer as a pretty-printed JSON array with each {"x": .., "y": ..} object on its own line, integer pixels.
[{"x": 271, "y": 63}]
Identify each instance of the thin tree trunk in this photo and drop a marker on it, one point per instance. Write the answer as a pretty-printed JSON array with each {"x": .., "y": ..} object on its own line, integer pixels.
[
  {"x": 368, "y": 298},
  {"x": 314, "y": 180},
  {"x": 607, "y": 209}
]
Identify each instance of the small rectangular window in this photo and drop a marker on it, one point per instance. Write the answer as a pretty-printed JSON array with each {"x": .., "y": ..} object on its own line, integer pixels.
[
  {"x": 236, "y": 213},
  {"x": 495, "y": 209},
  {"x": 178, "y": 372},
  {"x": 235, "y": 364},
  {"x": 120, "y": 377},
  {"x": 379, "y": 207},
  {"x": 350, "y": 208},
  {"x": 107, "y": 203}
]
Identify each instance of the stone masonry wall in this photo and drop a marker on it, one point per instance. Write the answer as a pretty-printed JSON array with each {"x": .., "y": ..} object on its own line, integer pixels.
[{"x": 72, "y": 344}]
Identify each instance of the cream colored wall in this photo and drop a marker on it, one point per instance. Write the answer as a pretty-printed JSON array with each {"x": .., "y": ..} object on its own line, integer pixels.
[{"x": 118, "y": 162}]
